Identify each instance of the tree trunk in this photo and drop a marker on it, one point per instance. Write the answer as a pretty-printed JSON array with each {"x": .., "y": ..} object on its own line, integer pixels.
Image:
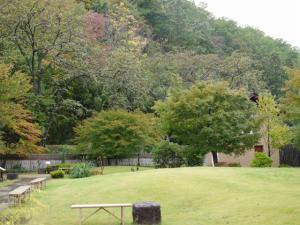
[
  {"x": 215, "y": 157},
  {"x": 101, "y": 160},
  {"x": 33, "y": 72},
  {"x": 269, "y": 145},
  {"x": 138, "y": 162},
  {"x": 39, "y": 75}
]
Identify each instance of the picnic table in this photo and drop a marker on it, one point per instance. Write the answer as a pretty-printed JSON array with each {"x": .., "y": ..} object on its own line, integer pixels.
[
  {"x": 38, "y": 183},
  {"x": 99, "y": 207},
  {"x": 19, "y": 194},
  {"x": 2, "y": 172}
]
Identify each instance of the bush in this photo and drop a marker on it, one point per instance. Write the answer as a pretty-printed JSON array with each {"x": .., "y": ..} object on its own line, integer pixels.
[
  {"x": 80, "y": 170},
  {"x": 65, "y": 165},
  {"x": 168, "y": 155},
  {"x": 57, "y": 174},
  {"x": 192, "y": 157},
  {"x": 18, "y": 169},
  {"x": 235, "y": 164},
  {"x": 51, "y": 168},
  {"x": 261, "y": 160}
]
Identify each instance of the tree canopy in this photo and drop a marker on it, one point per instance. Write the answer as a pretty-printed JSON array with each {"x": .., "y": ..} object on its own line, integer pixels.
[
  {"x": 82, "y": 57},
  {"x": 210, "y": 117},
  {"x": 116, "y": 133},
  {"x": 19, "y": 134}
]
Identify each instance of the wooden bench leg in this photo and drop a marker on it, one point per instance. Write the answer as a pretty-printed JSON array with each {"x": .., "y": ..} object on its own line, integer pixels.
[
  {"x": 9, "y": 200},
  {"x": 122, "y": 215},
  {"x": 80, "y": 216}
]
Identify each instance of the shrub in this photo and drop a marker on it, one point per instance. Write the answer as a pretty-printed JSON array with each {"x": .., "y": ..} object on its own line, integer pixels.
[
  {"x": 18, "y": 169},
  {"x": 65, "y": 165},
  {"x": 192, "y": 157},
  {"x": 235, "y": 164},
  {"x": 51, "y": 168},
  {"x": 80, "y": 170},
  {"x": 57, "y": 174},
  {"x": 261, "y": 160},
  {"x": 168, "y": 155}
]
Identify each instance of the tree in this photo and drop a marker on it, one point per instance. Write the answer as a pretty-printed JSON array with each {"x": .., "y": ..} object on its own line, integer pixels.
[
  {"x": 274, "y": 131},
  {"x": 241, "y": 72},
  {"x": 177, "y": 23},
  {"x": 168, "y": 155},
  {"x": 291, "y": 103},
  {"x": 41, "y": 31},
  {"x": 124, "y": 80},
  {"x": 19, "y": 134},
  {"x": 210, "y": 117},
  {"x": 116, "y": 134}
]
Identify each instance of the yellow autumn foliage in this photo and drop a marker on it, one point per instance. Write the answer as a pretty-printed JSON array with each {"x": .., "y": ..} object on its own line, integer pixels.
[{"x": 20, "y": 135}]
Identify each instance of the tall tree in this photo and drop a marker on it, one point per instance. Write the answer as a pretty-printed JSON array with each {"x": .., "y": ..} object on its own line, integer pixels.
[
  {"x": 274, "y": 131},
  {"x": 19, "y": 134},
  {"x": 116, "y": 134},
  {"x": 291, "y": 103},
  {"x": 210, "y": 117},
  {"x": 41, "y": 31}
]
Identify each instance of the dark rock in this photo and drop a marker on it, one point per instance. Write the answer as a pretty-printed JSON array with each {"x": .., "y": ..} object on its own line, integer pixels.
[
  {"x": 146, "y": 213},
  {"x": 12, "y": 176}
]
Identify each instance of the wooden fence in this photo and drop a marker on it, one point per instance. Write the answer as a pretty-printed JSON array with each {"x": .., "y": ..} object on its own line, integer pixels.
[
  {"x": 36, "y": 161},
  {"x": 289, "y": 155}
]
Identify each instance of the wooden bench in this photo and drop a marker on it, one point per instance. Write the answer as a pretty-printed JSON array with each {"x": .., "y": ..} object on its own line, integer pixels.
[
  {"x": 38, "y": 183},
  {"x": 19, "y": 194},
  {"x": 99, "y": 207}
]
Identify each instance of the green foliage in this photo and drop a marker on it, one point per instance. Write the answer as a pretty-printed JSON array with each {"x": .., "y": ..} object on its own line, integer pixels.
[
  {"x": 85, "y": 56},
  {"x": 80, "y": 170},
  {"x": 41, "y": 32},
  {"x": 193, "y": 157},
  {"x": 65, "y": 165},
  {"x": 65, "y": 117},
  {"x": 99, "y": 7},
  {"x": 50, "y": 169},
  {"x": 19, "y": 134},
  {"x": 18, "y": 169},
  {"x": 57, "y": 174},
  {"x": 178, "y": 23},
  {"x": 261, "y": 160},
  {"x": 210, "y": 117},
  {"x": 168, "y": 155},
  {"x": 116, "y": 133},
  {"x": 291, "y": 104},
  {"x": 275, "y": 132}
]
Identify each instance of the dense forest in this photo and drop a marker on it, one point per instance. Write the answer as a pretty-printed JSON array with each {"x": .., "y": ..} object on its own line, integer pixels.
[{"x": 61, "y": 61}]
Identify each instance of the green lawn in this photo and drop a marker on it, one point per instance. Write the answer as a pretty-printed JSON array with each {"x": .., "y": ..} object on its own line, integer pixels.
[
  {"x": 120, "y": 169},
  {"x": 188, "y": 196}
]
